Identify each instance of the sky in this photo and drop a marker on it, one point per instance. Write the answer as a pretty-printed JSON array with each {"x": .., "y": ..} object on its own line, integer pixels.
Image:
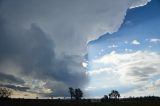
[
  {"x": 129, "y": 59},
  {"x": 47, "y": 46}
]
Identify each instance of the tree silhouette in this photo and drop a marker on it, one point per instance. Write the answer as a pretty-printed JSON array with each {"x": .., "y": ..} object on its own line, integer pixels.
[
  {"x": 78, "y": 94},
  {"x": 114, "y": 94},
  {"x": 71, "y": 91},
  {"x": 5, "y": 92},
  {"x": 105, "y": 97}
]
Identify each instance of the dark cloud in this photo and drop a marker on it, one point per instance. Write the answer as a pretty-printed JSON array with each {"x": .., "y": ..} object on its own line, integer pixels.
[
  {"x": 33, "y": 51},
  {"x": 6, "y": 78},
  {"x": 19, "y": 88},
  {"x": 142, "y": 73},
  {"x": 72, "y": 22}
]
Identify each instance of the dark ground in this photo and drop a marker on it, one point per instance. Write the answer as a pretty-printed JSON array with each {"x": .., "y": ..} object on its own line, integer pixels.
[{"x": 84, "y": 102}]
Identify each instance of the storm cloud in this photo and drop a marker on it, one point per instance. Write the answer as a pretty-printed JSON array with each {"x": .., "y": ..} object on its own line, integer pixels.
[
  {"x": 10, "y": 79},
  {"x": 33, "y": 52},
  {"x": 19, "y": 88},
  {"x": 43, "y": 42}
]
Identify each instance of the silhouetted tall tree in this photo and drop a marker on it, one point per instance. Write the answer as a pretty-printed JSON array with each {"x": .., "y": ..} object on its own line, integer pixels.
[
  {"x": 114, "y": 94},
  {"x": 5, "y": 92},
  {"x": 71, "y": 91},
  {"x": 78, "y": 94}
]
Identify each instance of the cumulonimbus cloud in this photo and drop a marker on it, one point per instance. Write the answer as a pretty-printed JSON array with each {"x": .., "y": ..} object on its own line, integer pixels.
[{"x": 46, "y": 39}]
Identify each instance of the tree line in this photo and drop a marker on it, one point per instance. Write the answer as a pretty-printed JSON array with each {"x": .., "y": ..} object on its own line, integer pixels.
[
  {"x": 75, "y": 94},
  {"x": 78, "y": 94}
]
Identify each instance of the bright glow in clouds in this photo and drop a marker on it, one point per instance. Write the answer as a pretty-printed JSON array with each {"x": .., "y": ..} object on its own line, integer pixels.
[
  {"x": 137, "y": 69},
  {"x": 84, "y": 64}
]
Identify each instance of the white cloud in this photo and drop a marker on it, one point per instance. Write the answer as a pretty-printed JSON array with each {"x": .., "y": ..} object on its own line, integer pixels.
[
  {"x": 135, "y": 42},
  {"x": 131, "y": 69},
  {"x": 19, "y": 94},
  {"x": 126, "y": 42},
  {"x": 150, "y": 46},
  {"x": 154, "y": 40},
  {"x": 128, "y": 50},
  {"x": 84, "y": 64},
  {"x": 38, "y": 86},
  {"x": 149, "y": 89},
  {"x": 112, "y": 46},
  {"x": 138, "y": 3},
  {"x": 133, "y": 62},
  {"x": 102, "y": 50}
]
